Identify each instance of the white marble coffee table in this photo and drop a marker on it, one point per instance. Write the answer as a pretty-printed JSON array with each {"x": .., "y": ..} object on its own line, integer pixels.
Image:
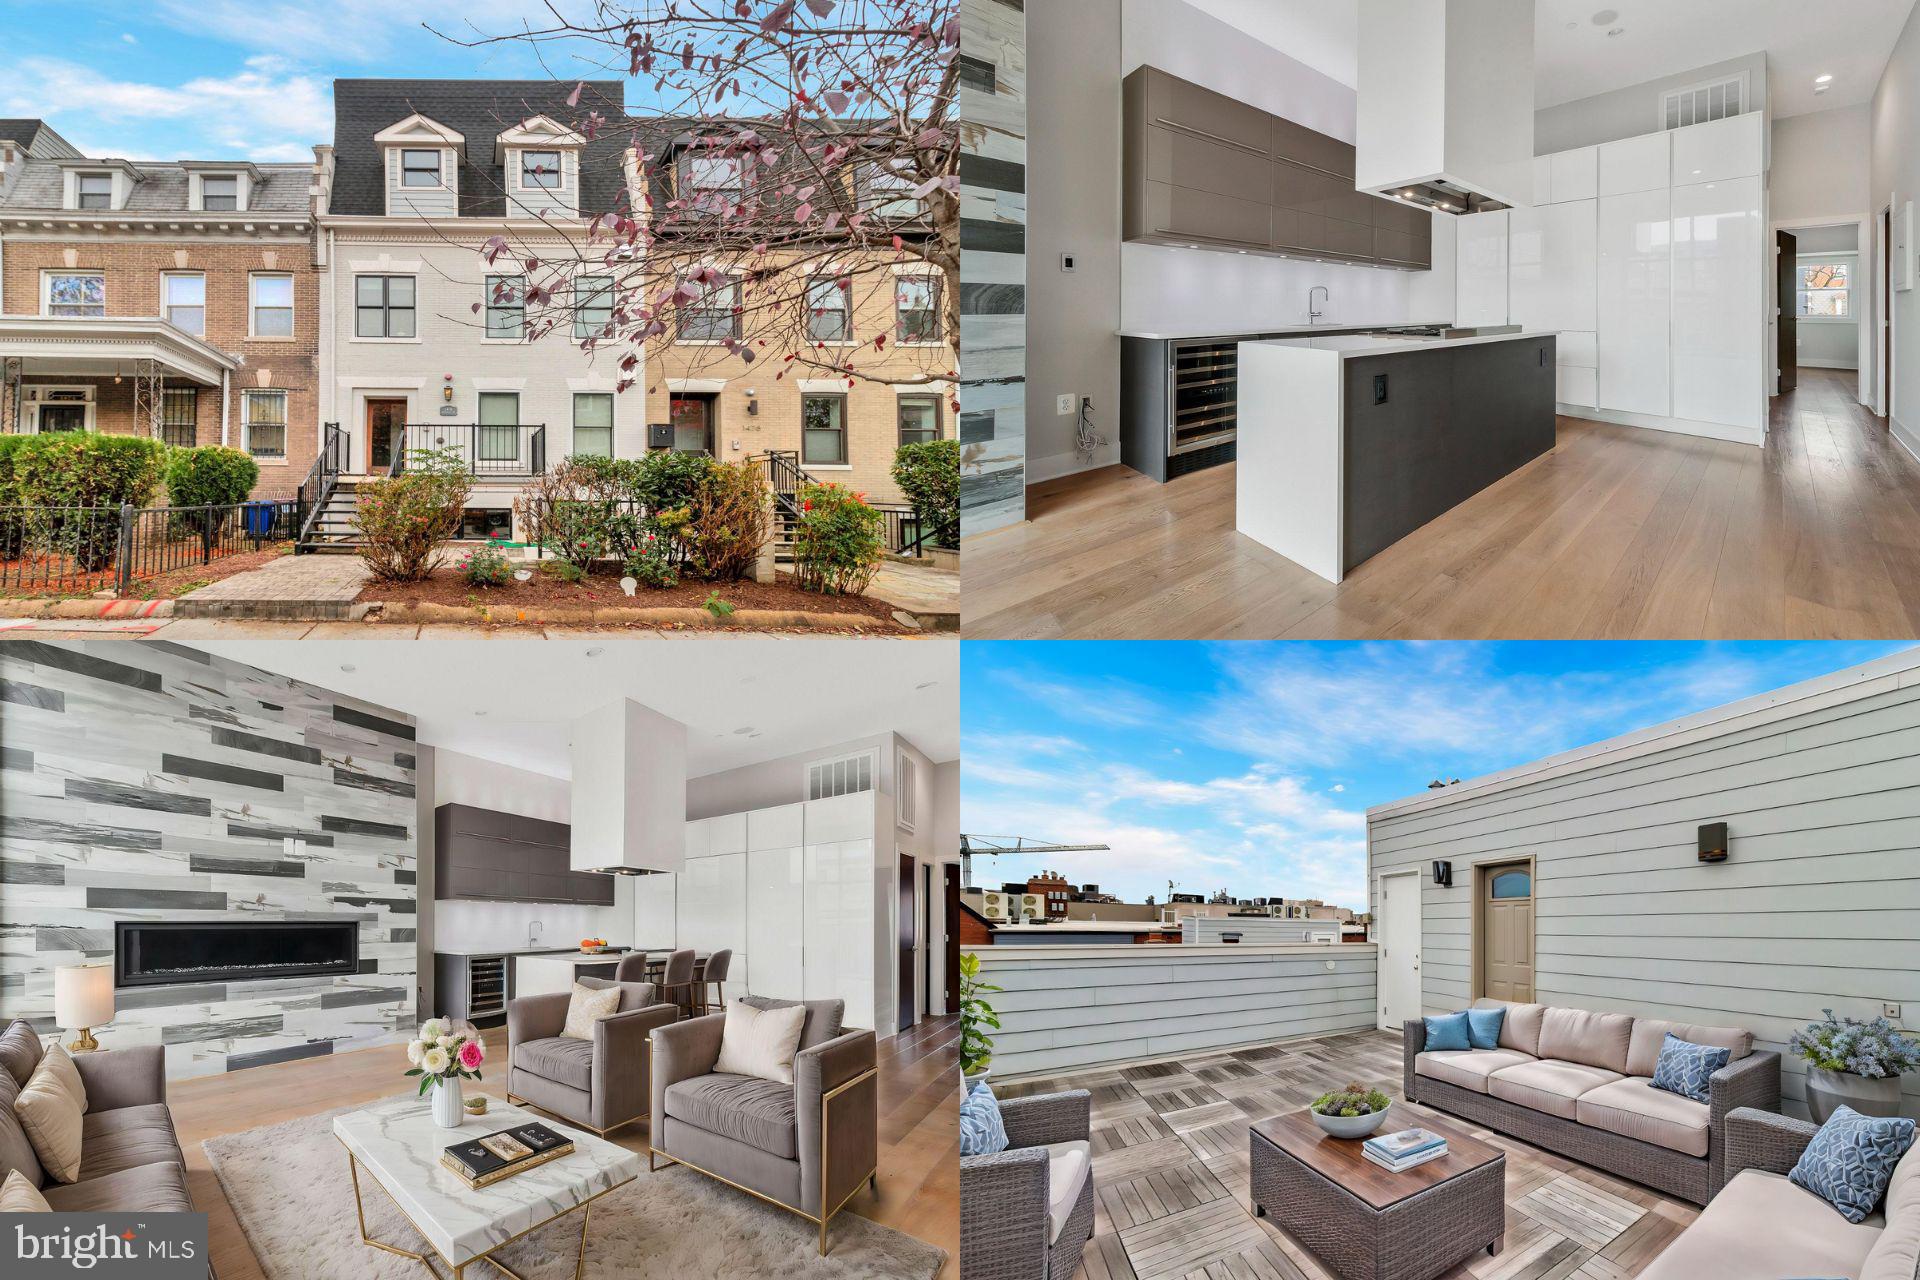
[{"x": 398, "y": 1143}]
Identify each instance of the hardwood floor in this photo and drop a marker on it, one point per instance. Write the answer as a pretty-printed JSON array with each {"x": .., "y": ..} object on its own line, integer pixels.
[
  {"x": 919, "y": 1182},
  {"x": 1170, "y": 1174},
  {"x": 1618, "y": 533}
]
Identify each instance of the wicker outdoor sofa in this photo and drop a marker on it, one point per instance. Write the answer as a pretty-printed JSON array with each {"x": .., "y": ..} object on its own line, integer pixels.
[
  {"x": 1027, "y": 1212},
  {"x": 1579, "y": 1083}
]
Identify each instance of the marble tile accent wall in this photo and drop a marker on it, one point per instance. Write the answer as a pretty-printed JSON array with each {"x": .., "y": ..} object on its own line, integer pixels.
[
  {"x": 145, "y": 781},
  {"x": 993, "y": 264}
]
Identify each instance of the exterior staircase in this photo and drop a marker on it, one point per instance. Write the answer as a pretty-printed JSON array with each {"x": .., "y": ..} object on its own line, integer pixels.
[{"x": 332, "y": 529}]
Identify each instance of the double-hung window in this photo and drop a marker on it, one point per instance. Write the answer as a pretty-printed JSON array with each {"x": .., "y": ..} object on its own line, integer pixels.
[
  {"x": 76, "y": 293},
  {"x": 264, "y": 420},
  {"x": 919, "y": 419},
  {"x": 540, "y": 170},
  {"x": 219, "y": 193},
  {"x": 383, "y": 307},
  {"x": 183, "y": 301},
  {"x": 1824, "y": 289},
  {"x": 593, "y": 423},
  {"x": 917, "y": 304},
  {"x": 506, "y": 307},
  {"x": 93, "y": 190},
  {"x": 712, "y": 317},
  {"x": 712, "y": 184},
  {"x": 830, "y": 309},
  {"x": 823, "y": 430},
  {"x": 499, "y": 426},
  {"x": 890, "y": 192},
  {"x": 592, "y": 306},
  {"x": 179, "y": 415},
  {"x": 270, "y": 305},
  {"x": 419, "y": 168}
]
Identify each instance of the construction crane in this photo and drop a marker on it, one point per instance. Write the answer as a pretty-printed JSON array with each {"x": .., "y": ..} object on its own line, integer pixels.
[{"x": 994, "y": 846}]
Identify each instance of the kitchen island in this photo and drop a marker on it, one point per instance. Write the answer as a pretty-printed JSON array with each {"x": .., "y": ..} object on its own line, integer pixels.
[
  {"x": 535, "y": 974},
  {"x": 1347, "y": 444}
]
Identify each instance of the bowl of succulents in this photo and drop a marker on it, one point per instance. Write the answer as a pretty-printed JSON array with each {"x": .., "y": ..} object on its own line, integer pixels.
[{"x": 1353, "y": 1112}]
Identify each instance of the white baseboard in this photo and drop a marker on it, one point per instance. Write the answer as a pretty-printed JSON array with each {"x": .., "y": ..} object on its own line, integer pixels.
[
  {"x": 1066, "y": 464},
  {"x": 1908, "y": 438},
  {"x": 1755, "y": 436},
  {"x": 1805, "y": 363}
]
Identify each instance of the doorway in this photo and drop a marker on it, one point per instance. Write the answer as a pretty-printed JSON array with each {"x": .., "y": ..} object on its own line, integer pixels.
[
  {"x": 909, "y": 940},
  {"x": 386, "y": 419},
  {"x": 1884, "y": 348},
  {"x": 693, "y": 421},
  {"x": 1400, "y": 999},
  {"x": 1787, "y": 330},
  {"x": 1503, "y": 930},
  {"x": 950, "y": 925}
]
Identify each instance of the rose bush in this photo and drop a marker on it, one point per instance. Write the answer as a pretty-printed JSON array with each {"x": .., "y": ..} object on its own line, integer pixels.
[{"x": 839, "y": 541}]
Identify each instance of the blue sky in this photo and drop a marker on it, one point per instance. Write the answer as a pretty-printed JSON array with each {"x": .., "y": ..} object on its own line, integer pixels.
[
  {"x": 1249, "y": 767},
  {"x": 252, "y": 79}
]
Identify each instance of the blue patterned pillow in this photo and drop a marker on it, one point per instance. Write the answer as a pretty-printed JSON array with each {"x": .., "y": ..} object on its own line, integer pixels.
[
  {"x": 1685, "y": 1067},
  {"x": 1449, "y": 1031},
  {"x": 1851, "y": 1159},
  {"x": 982, "y": 1131},
  {"x": 1483, "y": 1027}
]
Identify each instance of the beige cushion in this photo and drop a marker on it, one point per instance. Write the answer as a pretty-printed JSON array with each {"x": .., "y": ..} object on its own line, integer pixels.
[
  {"x": 1467, "y": 1068},
  {"x": 1763, "y": 1226},
  {"x": 20, "y": 1052},
  {"x": 760, "y": 1042},
  {"x": 17, "y": 1195},
  {"x": 1633, "y": 1108},
  {"x": 1643, "y": 1050},
  {"x": 1552, "y": 1087},
  {"x": 587, "y": 1006},
  {"x": 1583, "y": 1036},
  {"x": 52, "y": 1109},
  {"x": 1903, "y": 1188},
  {"x": 1896, "y": 1254},
  {"x": 1068, "y": 1164},
  {"x": 1520, "y": 1029}
]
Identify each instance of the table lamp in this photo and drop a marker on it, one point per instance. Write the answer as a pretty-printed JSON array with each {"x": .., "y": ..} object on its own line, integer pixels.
[{"x": 83, "y": 999}]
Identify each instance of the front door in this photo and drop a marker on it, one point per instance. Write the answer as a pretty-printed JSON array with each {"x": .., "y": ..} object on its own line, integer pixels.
[
  {"x": 385, "y": 421},
  {"x": 63, "y": 417},
  {"x": 1399, "y": 950},
  {"x": 693, "y": 423},
  {"x": 1506, "y": 931}
]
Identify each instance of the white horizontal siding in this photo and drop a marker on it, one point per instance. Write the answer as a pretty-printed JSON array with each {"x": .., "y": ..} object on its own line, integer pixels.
[
  {"x": 1065, "y": 1008},
  {"x": 1818, "y": 905}
]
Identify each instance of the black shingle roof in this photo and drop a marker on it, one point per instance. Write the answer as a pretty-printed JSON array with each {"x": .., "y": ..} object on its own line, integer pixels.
[
  {"x": 480, "y": 110},
  {"x": 21, "y": 131}
]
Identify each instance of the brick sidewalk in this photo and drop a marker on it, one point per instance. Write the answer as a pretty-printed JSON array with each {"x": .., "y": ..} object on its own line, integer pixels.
[{"x": 313, "y": 587}]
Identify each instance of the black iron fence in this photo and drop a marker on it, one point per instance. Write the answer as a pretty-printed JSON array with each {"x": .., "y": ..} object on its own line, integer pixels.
[
  {"x": 486, "y": 450},
  {"x": 72, "y": 550}
]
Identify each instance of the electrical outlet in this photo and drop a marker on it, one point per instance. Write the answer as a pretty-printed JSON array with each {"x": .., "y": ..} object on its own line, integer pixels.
[
  {"x": 1064, "y": 405},
  {"x": 1891, "y": 1010}
]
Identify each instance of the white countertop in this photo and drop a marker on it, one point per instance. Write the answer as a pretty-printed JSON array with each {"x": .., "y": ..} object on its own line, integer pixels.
[
  {"x": 1364, "y": 344},
  {"x": 581, "y": 957},
  {"x": 1325, "y": 327}
]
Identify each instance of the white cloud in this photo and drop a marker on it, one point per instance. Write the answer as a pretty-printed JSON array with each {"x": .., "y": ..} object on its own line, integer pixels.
[
  {"x": 1112, "y": 703},
  {"x": 1338, "y": 786},
  {"x": 359, "y": 31},
  {"x": 127, "y": 37}
]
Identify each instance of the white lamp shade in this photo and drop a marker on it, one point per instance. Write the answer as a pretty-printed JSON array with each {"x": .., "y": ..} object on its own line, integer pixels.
[{"x": 83, "y": 995}]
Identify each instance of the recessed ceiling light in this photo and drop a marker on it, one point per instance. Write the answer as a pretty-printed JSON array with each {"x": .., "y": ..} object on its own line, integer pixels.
[
  {"x": 1821, "y": 88},
  {"x": 479, "y": 713},
  {"x": 348, "y": 667},
  {"x": 1823, "y": 79},
  {"x": 1606, "y": 17},
  {"x": 926, "y": 684},
  {"x": 744, "y": 731},
  {"x": 595, "y": 652}
]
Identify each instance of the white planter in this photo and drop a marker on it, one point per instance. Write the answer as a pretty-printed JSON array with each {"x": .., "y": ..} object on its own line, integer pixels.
[
  {"x": 1827, "y": 1090},
  {"x": 447, "y": 1111},
  {"x": 968, "y": 1081}
]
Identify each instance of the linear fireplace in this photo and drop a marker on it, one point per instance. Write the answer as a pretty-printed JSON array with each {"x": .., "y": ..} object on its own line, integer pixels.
[{"x": 152, "y": 953}]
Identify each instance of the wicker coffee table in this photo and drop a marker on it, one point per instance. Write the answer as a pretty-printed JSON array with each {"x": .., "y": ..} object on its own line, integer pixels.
[{"x": 1367, "y": 1223}]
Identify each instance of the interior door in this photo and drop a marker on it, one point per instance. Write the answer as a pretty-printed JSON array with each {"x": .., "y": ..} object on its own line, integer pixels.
[
  {"x": 1506, "y": 933},
  {"x": 1399, "y": 950},
  {"x": 909, "y": 937},
  {"x": 950, "y": 923},
  {"x": 1788, "y": 266},
  {"x": 385, "y": 420}
]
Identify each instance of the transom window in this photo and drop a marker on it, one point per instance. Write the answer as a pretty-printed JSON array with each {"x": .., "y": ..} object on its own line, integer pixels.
[
  {"x": 1511, "y": 884},
  {"x": 919, "y": 419},
  {"x": 593, "y": 423},
  {"x": 93, "y": 190},
  {"x": 271, "y": 305},
  {"x": 179, "y": 415},
  {"x": 592, "y": 306},
  {"x": 383, "y": 307},
  {"x": 506, "y": 307},
  {"x": 219, "y": 192},
  {"x": 264, "y": 421},
  {"x": 76, "y": 293},
  {"x": 823, "y": 430},
  {"x": 830, "y": 310},
  {"x": 540, "y": 169},
  {"x": 419, "y": 168},
  {"x": 714, "y": 317},
  {"x": 1825, "y": 289},
  {"x": 183, "y": 301},
  {"x": 917, "y": 304}
]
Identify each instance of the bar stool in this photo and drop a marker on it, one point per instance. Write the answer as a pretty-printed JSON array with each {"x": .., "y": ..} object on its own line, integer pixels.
[
  {"x": 714, "y": 974},
  {"x": 676, "y": 986}
]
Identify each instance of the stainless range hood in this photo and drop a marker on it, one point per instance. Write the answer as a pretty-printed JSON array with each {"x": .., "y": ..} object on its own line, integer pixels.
[{"x": 1445, "y": 115}]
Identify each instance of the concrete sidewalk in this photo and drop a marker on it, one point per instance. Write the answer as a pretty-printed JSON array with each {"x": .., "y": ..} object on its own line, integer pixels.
[{"x": 929, "y": 596}]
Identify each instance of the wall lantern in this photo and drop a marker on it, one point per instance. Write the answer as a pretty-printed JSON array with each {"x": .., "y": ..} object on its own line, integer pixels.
[
  {"x": 1443, "y": 874},
  {"x": 446, "y": 389},
  {"x": 1713, "y": 842}
]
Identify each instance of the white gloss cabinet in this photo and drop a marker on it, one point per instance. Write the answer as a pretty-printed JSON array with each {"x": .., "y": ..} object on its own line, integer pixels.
[
  {"x": 1553, "y": 266},
  {"x": 1575, "y": 174},
  {"x": 776, "y": 876},
  {"x": 1635, "y": 164},
  {"x": 711, "y": 905},
  {"x": 1720, "y": 149},
  {"x": 1719, "y": 296},
  {"x": 1635, "y": 299},
  {"x": 1480, "y": 278}
]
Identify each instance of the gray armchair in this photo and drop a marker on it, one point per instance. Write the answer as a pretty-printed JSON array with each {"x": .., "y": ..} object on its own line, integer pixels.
[
  {"x": 599, "y": 1084},
  {"x": 806, "y": 1147},
  {"x": 1018, "y": 1219}
]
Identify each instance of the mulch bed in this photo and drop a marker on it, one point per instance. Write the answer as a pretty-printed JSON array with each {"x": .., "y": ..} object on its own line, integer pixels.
[
  {"x": 162, "y": 586},
  {"x": 602, "y": 590}
]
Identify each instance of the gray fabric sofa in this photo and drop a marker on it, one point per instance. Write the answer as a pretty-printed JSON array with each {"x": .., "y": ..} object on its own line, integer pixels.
[
  {"x": 1027, "y": 1212},
  {"x": 599, "y": 1084},
  {"x": 1763, "y": 1225},
  {"x": 808, "y": 1146},
  {"x": 130, "y": 1158},
  {"x": 1580, "y": 1083}
]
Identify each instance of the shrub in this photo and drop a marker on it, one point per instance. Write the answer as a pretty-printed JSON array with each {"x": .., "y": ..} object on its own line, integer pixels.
[
  {"x": 78, "y": 469},
  {"x": 665, "y": 480},
  {"x": 929, "y": 474},
  {"x": 211, "y": 476},
  {"x": 573, "y": 511},
  {"x": 564, "y": 570},
  {"x": 486, "y": 566},
  {"x": 652, "y": 563},
  {"x": 726, "y": 524},
  {"x": 406, "y": 519},
  {"x": 838, "y": 543}
]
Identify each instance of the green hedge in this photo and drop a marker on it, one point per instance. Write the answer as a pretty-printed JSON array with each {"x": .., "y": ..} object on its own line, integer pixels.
[
  {"x": 210, "y": 476},
  {"x": 929, "y": 474},
  {"x": 79, "y": 469}
]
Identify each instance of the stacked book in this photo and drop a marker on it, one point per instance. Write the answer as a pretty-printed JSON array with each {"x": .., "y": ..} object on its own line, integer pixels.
[
  {"x": 485, "y": 1161},
  {"x": 1404, "y": 1150}
]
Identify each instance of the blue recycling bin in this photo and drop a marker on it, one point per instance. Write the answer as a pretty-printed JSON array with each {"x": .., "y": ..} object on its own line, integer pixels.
[{"x": 259, "y": 519}]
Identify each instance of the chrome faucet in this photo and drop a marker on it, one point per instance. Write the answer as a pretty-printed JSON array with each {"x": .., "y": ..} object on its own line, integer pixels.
[
  {"x": 1313, "y": 316},
  {"x": 533, "y": 925}
]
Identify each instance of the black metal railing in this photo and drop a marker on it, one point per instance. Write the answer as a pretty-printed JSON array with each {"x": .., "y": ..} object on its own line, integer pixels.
[
  {"x": 515, "y": 451},
  {"x": 322, "y": 478},
  {"x": 74, "y": 550},
  {"x": 904, "y": 537}
]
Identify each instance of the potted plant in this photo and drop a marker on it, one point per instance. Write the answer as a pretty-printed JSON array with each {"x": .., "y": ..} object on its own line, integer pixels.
[
  {"x": 1853, "y": 1062},
  {"x": 442, "y": 1055},
  {"x": 976, "y": 1017},
  {"x": 1353, "y": 1112}
]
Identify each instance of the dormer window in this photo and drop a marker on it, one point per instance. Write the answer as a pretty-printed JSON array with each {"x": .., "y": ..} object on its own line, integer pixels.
[
  {"x": 540, "y": 169},
  {"x": 540, "y": 162},
  {"x": 712, "y": 184},
  {"x": 419, "y": 168},
  {"x": 220, "y": 193},
  {"x": 93, "y": 190}
]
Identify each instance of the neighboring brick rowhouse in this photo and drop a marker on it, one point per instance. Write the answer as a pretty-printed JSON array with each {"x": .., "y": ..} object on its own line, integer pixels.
[
  {"x": 133, "y": 270},
  {"x": 974, "y": 929}
]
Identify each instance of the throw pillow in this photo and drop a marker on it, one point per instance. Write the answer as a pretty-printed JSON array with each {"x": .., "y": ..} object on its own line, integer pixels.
[
  {"x": 50, "y": 1109},
  {"x": 20, "y": 1052},
  {"x": 760, "y": 1042},
  {"x": 17, "y": 1195},
  {"x": 587, "y": 1006},
  {"x": 982, "y": 1131},
  {"x": 1850, "y": 1160},
  {"x": 1483, "y": 1027},
  {"x": 1685, "y": 1067},
  {"x": 1448, "y": 1031}
]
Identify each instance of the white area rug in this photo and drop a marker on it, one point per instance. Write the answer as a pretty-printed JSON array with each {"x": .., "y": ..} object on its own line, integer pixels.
[{"x": 290, "y": 1188}]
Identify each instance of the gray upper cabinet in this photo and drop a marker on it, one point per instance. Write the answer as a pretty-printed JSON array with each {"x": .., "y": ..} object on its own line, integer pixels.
[
  {"x": 483, "y": 855},
  {"x": 1205, "y": 171}
]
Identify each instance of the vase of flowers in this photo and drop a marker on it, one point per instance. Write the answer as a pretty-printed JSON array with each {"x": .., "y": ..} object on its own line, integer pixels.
[
  {"x": 1854, "y": 1062},
  {"x": 442, "y": 1055},
  {"x": 977, "y": 1019}
]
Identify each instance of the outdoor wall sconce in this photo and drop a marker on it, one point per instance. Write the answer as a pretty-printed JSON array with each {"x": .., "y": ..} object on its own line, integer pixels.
[
  {"x": 1443, "y": 874},
  {"x": 753, "y": 404},
  {"x": 446, "y": 389},
  {"x": 1713, "y": 842}
]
